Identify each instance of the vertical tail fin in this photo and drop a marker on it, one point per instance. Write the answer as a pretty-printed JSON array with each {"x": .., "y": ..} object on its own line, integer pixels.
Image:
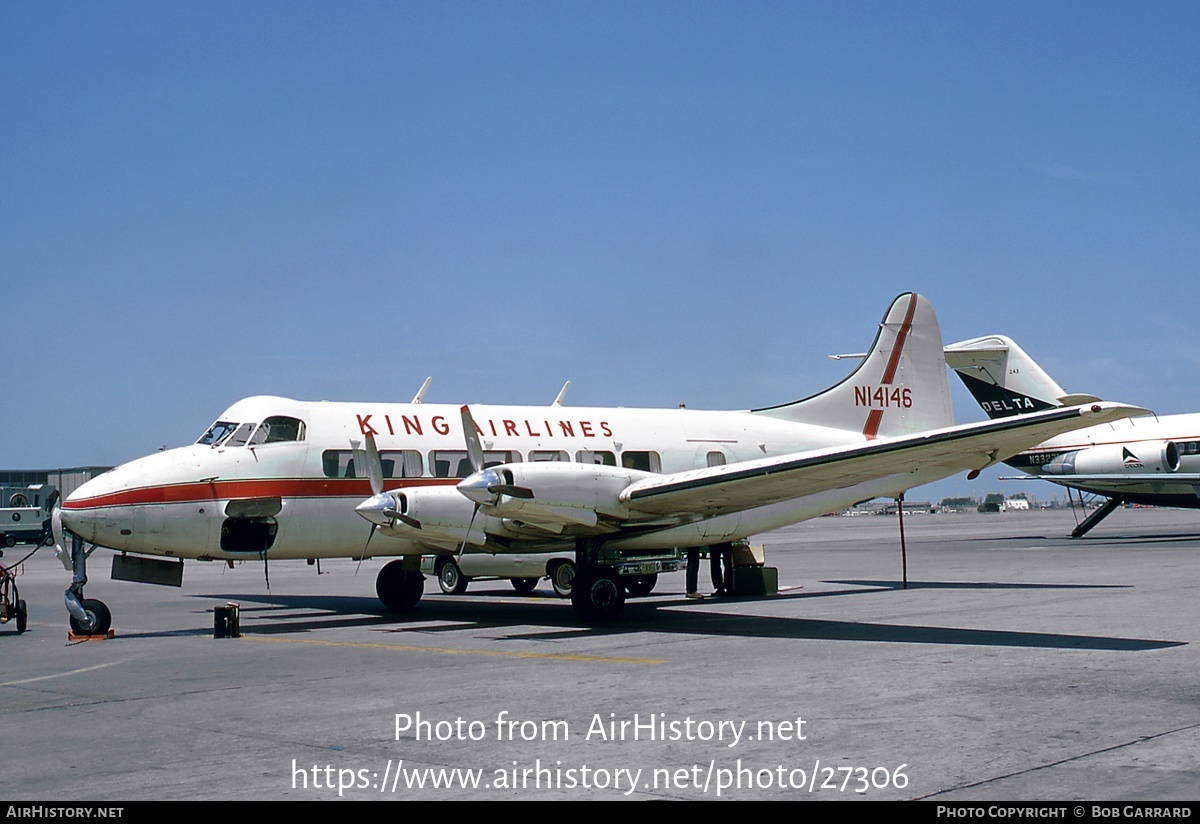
[
  {"x": 1003, "y": 379},
  {"x": 899, "y": 388}
]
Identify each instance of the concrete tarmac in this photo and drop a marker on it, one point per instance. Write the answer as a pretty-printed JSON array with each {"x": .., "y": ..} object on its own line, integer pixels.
[{"x": 1019, "y": 664}]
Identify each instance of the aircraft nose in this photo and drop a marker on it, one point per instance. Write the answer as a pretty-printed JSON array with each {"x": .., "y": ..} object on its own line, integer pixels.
[
  {"x": 93, "y": 512},
  {"x": 78, "y": 521}
]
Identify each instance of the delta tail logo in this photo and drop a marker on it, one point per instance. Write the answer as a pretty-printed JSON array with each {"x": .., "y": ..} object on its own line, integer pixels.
[{"x": 999, "y": 402}]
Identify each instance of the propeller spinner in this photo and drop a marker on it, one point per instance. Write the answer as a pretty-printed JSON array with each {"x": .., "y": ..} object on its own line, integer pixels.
[{"x": 485, "y": 485}]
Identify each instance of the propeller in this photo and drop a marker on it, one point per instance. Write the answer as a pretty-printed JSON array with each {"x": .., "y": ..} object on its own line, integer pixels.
[
  {"x": 381, "y": 508},
  {"x": 485, "y": 485}
]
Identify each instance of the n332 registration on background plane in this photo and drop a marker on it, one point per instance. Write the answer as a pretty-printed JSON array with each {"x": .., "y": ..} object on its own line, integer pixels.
[
  {"x": 1147, "y": 460},
  {"x": 627, "y": 489}
]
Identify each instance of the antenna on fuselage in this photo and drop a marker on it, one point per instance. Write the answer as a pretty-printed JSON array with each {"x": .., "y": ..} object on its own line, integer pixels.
[
  {"x": 420, "y": 396},
  {"x": 562, "y": 394}
]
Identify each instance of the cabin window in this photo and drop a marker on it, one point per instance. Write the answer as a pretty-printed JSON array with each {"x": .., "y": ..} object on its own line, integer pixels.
[
  {"x": 396, "y": 463},
  {"x": 716, "y": 458},
  {"x": 596, "y": 456},
  {"x": 645, "y": 461},
  {"x": 549, "y": 455},
  {"x": 455, "y": 463},
  {"x": 402, "y": 463}
]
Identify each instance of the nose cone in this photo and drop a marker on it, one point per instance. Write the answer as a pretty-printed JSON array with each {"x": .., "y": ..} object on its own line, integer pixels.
[
  {"x": 378, "y": 509},
  {"x": 477, "y": 487},
  {"x": 108, "y": 509},
  {"x": 94, "y": 511}
]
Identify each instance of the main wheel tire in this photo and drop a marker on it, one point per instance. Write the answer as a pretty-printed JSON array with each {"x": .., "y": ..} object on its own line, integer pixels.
[
  {"x": 561, "y": 578},
  {"x": 397, "y": 589},
  {"x": 22, "y": 616},
  {"x": 98, "y": 612},
  {"x": 524, "y": 586},
  {"x": 450, "y": 578},
  {"x": 642, "y": 585},
  {"x": 598, "y": 596}
]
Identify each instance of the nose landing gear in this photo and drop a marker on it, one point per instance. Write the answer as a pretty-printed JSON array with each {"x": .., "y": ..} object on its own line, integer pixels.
[{"x": 89, "y": 618}]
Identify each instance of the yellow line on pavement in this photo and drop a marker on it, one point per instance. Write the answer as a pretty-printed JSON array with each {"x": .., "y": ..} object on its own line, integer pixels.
[{"x": 553, "y": 656}]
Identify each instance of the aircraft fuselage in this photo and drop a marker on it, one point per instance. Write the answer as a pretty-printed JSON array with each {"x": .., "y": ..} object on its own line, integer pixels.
[{"x": 295, "y": 498}]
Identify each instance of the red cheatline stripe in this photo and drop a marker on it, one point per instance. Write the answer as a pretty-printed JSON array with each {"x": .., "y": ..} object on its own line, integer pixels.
[
  {"x": 875, "y": 418},
  {"x": 242, "y": 490}
]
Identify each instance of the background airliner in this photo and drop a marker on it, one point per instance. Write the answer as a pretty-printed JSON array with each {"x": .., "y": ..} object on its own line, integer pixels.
[
  {"x": 627, "y": 489},
  {"x": 1149, "y": 459}
]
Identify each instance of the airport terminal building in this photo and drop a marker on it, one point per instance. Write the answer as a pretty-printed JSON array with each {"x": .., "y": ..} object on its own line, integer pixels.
[{"x": 65, "y": 481}]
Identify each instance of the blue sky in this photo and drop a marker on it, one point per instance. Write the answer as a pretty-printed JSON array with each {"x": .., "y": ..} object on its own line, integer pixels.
[{"x": 663, "y": 202}]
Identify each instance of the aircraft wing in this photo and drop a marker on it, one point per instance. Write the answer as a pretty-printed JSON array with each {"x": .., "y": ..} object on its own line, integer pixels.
[
  {"x": 765, "y": 481},
  {"x": 1115, "y": 484},
  {"x": 1117, "y": 479}
]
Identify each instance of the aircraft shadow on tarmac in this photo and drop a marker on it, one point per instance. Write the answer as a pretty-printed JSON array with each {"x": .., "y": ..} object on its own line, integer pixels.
[
  {"x": 285, "y": 614},
  {"x": 878, "y": 585},
  {"x": 1092, "y": 540}
]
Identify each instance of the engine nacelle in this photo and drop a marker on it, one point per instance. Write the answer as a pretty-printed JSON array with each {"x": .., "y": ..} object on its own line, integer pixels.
[
  {"x": 436, "y": 514},
  {"x": 564, "y": 493},
  {"x": 1137, "y": 458}
]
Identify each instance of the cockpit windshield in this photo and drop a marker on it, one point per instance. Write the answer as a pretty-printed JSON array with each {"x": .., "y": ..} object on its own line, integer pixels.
[
  {"x": 216, "y": 433},
  {"x": 276, "y": 429}
]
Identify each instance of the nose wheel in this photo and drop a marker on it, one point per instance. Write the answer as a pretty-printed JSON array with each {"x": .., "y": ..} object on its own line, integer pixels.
[{"x": 99, "y": 619}]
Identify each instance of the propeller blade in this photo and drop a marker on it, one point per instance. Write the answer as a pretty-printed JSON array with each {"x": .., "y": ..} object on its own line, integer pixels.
[
  {"x": 474, "y": 447},
  {"x": 374, "y": 466},
  {"x": 366, "y": 546},
  {"x": 397, "y": 515},
  {"x": 512, "y": 491},
  {"x": 470, "y": 523}
]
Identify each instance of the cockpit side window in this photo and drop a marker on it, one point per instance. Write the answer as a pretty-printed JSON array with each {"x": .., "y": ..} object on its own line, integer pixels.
[
  {"x": 217, "y": 433},
  {"x": 240, "y": 435}
]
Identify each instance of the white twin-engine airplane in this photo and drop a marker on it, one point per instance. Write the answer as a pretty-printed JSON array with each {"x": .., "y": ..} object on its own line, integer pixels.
[
  {"x": 1148, "y": 460},
  {"x": 628, "y": 489}
]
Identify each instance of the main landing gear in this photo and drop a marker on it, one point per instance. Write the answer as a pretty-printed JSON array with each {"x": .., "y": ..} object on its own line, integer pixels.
[
  {"x": 1097, "y": 516},
  {"x": 597, "y": 592},
  {"x": 400, "y": 584}
]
